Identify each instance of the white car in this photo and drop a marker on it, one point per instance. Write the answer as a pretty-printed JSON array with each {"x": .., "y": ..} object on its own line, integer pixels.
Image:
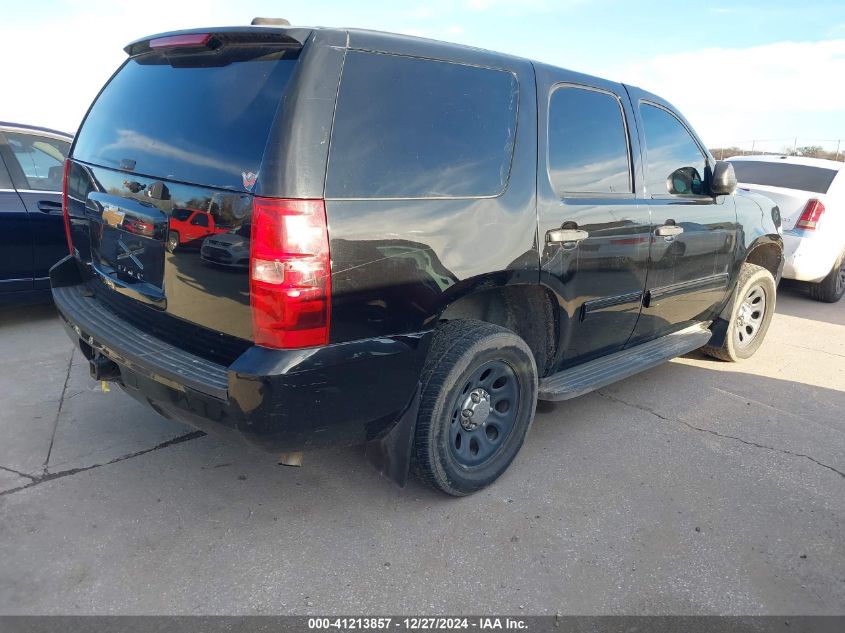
[
  {"x": 810, "y": 193},
  {"x": 230, "y": 249}
]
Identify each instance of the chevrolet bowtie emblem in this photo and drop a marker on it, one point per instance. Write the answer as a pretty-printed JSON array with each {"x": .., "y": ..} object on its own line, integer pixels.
[{"x": 130, "y": 253}]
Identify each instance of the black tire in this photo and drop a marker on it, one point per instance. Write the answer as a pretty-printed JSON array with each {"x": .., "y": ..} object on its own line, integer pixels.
[
  {"x": 831, "y": 288},
  {"x": 472, "y": 358},
  {"x": 751, "y": 309},
  {"x": 172, "y": 241}
]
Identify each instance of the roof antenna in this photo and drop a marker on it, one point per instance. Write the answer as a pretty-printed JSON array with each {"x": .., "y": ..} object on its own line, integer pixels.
[{"x": 269, "y": 22}]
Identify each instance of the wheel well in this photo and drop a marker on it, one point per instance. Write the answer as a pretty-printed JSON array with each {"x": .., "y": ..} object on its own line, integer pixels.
[
  {"x": 768, "y": 256},
  {"x": 528, "y": 310}
]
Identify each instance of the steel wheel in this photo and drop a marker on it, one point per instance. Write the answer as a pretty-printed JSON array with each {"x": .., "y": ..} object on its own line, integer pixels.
[
  {"x": 484, "y": 414},
  {"x": 749, "y": 319},
  {"x": 840, "y": 279}
]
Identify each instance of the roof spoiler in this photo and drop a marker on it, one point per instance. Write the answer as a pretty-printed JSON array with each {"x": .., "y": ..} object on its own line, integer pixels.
[{"x": 216, "y": 38}]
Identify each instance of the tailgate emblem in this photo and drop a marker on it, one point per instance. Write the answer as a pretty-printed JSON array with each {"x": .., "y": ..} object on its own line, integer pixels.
[
  {"x": 113, "y": 217},
  {"x": 131, "y": 253},
  {"x": 249, "y": 179}
]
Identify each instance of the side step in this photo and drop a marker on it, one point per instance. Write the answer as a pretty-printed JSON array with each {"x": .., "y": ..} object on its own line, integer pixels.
[{"x": 598, "y": 373}]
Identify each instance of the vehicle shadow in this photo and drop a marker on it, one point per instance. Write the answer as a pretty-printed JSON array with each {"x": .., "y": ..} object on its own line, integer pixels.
[
  {"x": 794, "y": 300},
  {"x": 30, "y": 313}
]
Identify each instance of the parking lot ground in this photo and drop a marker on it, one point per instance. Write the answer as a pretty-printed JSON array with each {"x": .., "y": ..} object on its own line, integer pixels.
[{"x": 698, "y": 487}]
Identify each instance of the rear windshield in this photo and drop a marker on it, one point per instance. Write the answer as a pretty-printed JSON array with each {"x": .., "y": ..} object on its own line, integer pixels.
[
  {"x": 204, "y": 119},
  {"x": 786, "y": 175}
]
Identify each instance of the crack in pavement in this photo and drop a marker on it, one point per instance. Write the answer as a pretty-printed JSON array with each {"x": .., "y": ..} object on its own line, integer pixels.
[
  {"x": 717, "y": 434},
  {"x": 73, "y": 471},
  {"x": 16, "y": 472},
  {"x": 59, "y": 410}
]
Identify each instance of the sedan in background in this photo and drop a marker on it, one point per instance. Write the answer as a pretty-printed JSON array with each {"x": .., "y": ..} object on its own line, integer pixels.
[
  {"x": 230, "y": 249},
  {"x": 810, "y": 193},
  {"x": 32, "y": 230}
]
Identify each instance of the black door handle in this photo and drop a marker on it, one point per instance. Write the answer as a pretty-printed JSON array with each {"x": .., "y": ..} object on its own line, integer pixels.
[{"x": 49, "y": 206}]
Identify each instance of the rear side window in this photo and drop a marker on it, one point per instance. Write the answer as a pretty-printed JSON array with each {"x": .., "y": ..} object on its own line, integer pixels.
[
  {"x": 418, "y": 128},
  {"x": 789, "y": 176},
  {"x": 40, "y": 158},
  {"x": 676, "y": 165},
  {"x": 203, "y": 120},
  {"x": 588, "y": 144}
]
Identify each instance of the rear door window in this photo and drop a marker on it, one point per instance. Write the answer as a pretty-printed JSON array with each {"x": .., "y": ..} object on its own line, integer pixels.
[
  {"x": 203, "y": 120},
  {"x": 418, "y": 128},
  {"x": 40, "y": 158},
  {"x": 588, "y": 143},
  {"x": 786, "y": 175}
]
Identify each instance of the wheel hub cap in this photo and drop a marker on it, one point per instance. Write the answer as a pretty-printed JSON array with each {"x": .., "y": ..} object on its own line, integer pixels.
[
  {"x": 475, "y": 409},
  {"x": 749, "y": 317}
]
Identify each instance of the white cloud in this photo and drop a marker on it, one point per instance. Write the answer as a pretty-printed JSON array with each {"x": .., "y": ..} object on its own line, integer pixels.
[
  {"x": 58, "y": 66},
  {"x": 730, "y": 95}
]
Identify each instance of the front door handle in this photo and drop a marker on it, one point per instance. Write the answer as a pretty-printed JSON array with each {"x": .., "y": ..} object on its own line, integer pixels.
[
  {"x": 562, "y": 236},
  {"x": 669, "y": 230},
  {"x": 48, "y": 206}
]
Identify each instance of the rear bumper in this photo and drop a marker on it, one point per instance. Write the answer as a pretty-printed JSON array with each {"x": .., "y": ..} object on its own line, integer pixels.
[
  {"x": 278, "y": 400},
  {"x": 808, "y": 257}
]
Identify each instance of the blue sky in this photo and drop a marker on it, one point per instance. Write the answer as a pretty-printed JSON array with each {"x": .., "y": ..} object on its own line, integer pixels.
[{"x": 738, "y": 70}]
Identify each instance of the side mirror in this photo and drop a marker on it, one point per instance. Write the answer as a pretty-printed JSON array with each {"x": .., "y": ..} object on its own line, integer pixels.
[
  {"x": 724, "y": 179},
  {"x": 684, "y": 181}
]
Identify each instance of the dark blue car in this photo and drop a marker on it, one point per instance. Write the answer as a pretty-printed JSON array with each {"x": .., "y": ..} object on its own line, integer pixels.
[{"x": 32, "y": 236}]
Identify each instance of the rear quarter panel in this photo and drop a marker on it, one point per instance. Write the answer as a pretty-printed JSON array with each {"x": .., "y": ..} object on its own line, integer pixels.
[{"x": 397, "y": 263}]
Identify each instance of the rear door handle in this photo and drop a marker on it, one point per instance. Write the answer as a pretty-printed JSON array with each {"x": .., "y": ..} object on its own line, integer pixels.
[
  {"x": 669, "y": 230},
  {"x": 48, "y": 206},
  {"x": 561, "y": 236}
]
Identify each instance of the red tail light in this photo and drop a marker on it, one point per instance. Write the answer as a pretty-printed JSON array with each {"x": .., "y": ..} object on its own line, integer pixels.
[
  {"x": 65, "y": 211},
  {"x": 290, "y": 273},
  {"x": 188, "y": 40},
  {"x": 810, "y": 215}
]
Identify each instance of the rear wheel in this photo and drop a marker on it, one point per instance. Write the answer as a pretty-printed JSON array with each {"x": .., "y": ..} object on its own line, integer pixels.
[
  {"x": 479, "y": 393},
  {"x": 831, "y": 288},
  {"x": 753, "y": 306}
]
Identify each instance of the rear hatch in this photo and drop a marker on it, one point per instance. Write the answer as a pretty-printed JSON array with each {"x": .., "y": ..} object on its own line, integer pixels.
[
  {"x": 788, "y": 185},
  {"x": 168, "y": 156}
]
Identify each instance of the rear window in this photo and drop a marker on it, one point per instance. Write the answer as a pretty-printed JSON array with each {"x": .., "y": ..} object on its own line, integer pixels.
[
  {"x": 204, "y": 119},
  {"x": 418, "y": 128},
  {"x": 786, "y": 175}
]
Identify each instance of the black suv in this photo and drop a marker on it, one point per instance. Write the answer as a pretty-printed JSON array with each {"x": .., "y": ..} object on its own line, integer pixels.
[{"x": 438, "y": 236}]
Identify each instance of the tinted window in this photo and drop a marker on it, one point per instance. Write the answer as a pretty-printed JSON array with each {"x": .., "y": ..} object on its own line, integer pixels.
[
  {"x": 205, "y": 121},
  {"x": 588, "y": 148},
  {"x": 789, "y": 176},
  {"x": 200, "y": 219},
  {"x": 414, "y": 128},
  {"x": 670, "y": 147},
  {"x": 40, "y": 158}
]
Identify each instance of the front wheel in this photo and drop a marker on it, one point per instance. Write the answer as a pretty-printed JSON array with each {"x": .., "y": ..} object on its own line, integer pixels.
[
  {"x": 753, "y": 305},
  {"x": 172, "y": 241},
  {"x": 831, "y": 288},
  {"x": 479, "y": 393}
]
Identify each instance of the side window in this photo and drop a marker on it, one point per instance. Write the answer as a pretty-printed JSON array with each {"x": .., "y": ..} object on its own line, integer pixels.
[
  {"x": 5, "y": 181},
  {"x": 676, "y": 165},
  {"x": 40, "y": 158},
  {"x": 588, "y": 145},
  {"x": 420, "y": 128},
  {"x": 200, "y": 219}
]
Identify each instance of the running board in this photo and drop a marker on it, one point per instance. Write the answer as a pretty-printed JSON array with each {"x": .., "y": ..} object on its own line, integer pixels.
[{"x": 598, "y": 373}]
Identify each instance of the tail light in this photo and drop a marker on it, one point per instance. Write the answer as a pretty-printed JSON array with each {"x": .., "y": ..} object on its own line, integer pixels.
[
  {"x": 65, "y": 211},
  {"x": 810, "y": 215},
  {"x": 290, "y": 273}
]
